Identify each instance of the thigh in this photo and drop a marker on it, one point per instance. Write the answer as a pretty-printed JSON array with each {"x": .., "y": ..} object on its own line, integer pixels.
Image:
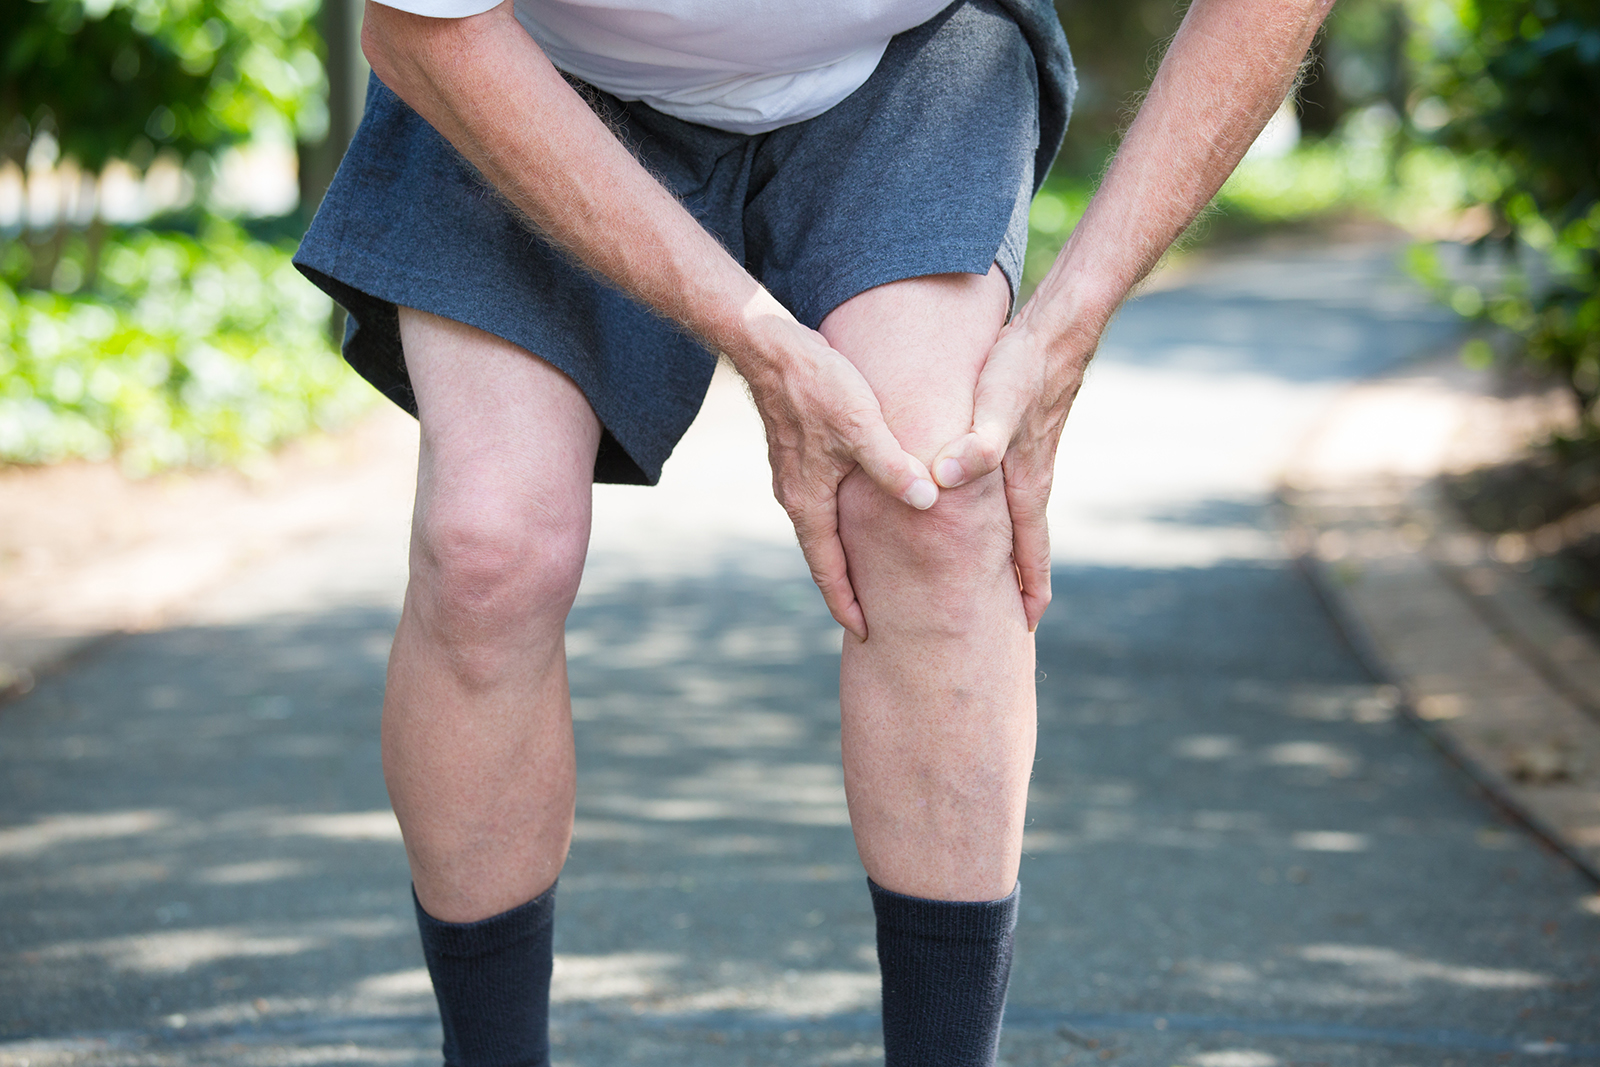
[
  {"x": 408, "y": 223},
  {"x": 927, "y": 169},
  {"x": 506, "y": 437},
  {"x": 920, "y": 343}
]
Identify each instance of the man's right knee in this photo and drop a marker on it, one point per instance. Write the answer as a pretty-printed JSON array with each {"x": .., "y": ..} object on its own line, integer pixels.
[{"x": 490, "y": 582}]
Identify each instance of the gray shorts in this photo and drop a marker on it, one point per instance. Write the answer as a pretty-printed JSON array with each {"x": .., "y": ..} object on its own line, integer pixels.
[{"x": 928, "y": 168}]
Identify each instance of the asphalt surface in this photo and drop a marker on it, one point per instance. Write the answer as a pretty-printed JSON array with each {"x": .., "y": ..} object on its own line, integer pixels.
[{"x": 1238, "y": 855}]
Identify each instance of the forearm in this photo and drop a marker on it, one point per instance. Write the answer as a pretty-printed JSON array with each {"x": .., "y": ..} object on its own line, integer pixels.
[
  {"x": 488, "y": 89},
  {"x": 1228, "y": 69},
  {"x": 485, "y": 85}
]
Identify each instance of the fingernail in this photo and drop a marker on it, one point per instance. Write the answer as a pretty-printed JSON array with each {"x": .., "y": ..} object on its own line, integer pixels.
[
  {"x": 948, "y": 472},
  {"x": 922, "y": 494}
]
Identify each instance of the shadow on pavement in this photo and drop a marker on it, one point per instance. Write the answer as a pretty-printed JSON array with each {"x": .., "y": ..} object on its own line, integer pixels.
[
  {"x": 1235, "y": 847},
  {"x": 1273, "y": 317}
]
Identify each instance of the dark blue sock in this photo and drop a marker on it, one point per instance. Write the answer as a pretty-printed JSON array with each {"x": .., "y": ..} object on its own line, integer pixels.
[
  {"x": 492, "y": 980},
  {"x": 945, "y": 968}
]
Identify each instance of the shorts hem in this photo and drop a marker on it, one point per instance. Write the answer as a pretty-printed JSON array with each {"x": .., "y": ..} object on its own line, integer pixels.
[
  {"x": 974, "y": 259},
  {"x": 366, "y": 287}
]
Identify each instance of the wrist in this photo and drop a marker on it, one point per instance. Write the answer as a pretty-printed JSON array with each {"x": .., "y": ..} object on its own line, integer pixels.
[
  {"x": 758, "y": 337},
  {"x": 1064, "y": 324},
  {"x": 1085, "y": 286}
]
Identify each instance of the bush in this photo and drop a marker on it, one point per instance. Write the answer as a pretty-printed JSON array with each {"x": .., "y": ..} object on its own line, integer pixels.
[
  {"x": 119, "y": 79},
  {"x": 151, "y": 346},
  {"x": 1521, "y": 91},
  {"x": 1360, "y": 170},
  {"x": 189, "y": 351}
]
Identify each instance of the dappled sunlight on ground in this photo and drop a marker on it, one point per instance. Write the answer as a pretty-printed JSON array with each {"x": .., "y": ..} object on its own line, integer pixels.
[
  {"x": 1207, "y": 826},
  {"x": 53, "y": 830},
  {"x": 1353, "y": 976},
  {"x": 1388, "y": 966},
  {"x": 1236, "y": 1058},
  {"x": 175, "y": 951},
  {"x": 250, "y": 872},
  {"x": 799, "y": 994},
  {"x": 1237, "y": 854}
]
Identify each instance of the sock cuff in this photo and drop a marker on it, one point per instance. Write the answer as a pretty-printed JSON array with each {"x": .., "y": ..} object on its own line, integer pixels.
[
  {"x": 486, "y": 936},
  {"x": 984, "y": 921}
]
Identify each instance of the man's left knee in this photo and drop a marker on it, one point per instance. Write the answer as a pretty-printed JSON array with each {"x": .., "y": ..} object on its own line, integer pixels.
[{"x": 953, "y": 552}]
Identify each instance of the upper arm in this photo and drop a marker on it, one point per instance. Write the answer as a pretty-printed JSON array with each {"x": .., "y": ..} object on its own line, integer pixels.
[
  {"x": 392, "y": 29},
  {"x": 438, "y": 9}
]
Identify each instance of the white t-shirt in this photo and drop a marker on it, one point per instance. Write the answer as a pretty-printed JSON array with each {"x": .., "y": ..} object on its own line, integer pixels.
[{"x": 747, "y": 66}]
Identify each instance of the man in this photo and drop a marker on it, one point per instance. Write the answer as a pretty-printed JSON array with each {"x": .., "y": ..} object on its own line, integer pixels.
[{"x": 834, "y": 195}]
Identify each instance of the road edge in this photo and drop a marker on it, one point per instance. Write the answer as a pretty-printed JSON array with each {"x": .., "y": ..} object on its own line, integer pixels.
[
  {"x": 217, "y": 524},
  {"x": 1501, "y": 680}
]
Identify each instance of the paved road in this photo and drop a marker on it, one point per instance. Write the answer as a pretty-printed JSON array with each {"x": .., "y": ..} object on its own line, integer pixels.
[{"x": 1237, "y": 855}]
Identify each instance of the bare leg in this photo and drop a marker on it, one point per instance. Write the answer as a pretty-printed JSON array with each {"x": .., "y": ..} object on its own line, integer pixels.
[
  {"x": 477, "y": 726},
  {"x": 938, "y": 702}
]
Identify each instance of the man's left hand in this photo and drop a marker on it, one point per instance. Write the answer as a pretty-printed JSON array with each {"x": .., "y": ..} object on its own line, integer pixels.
[{"x": 1021, "y": 403}]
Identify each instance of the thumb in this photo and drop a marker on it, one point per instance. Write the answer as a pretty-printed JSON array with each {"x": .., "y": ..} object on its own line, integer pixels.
[
  {"x": 1002, "y": 397},
  {"x": 976, "y": 453},
  {"x": 896, "y": 471}
]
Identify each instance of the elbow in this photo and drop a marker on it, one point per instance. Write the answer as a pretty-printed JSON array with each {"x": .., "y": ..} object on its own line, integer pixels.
[
  {"x": 1315, "y": 12},
  {"x": 377, "y": 40},
  {"x": 400, "y": 45}
]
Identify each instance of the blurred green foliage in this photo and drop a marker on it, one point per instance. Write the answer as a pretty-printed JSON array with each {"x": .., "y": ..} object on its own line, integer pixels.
[
  {"x": 190, "y": 351},
  {"x": 1456, "y": 107},
  {"x": 1522, "y": 91},
  {"x": 122, "y": 79},
  {"x": 1056, "y": 210},
  {"x": 155, "y": 346},
  {"x": 1357, "y": 171},
  {"x": 1477, "y": 118},
  {"x": 1116, "y": 47}
]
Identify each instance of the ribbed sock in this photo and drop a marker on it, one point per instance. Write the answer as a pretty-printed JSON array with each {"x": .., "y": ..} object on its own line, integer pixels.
[
  {"x": 945, "y": 968},
  {"x": 492, "y": 981}
]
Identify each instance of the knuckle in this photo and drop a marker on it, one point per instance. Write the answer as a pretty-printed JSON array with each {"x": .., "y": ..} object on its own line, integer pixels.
[
  {"x": 857, "y": 427},
  {"x": 801, "y": 506},
  {"x": 990, "y": 452},
  {"x": 1031, "y": 491}
]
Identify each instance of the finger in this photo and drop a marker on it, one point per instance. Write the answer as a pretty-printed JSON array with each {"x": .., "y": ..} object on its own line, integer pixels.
[
  {"x": 829, "y": 571},
  {"x": 972, "y": 455},
  {"x": 896, "y": 471},
  {"x": 818, "y": 531},
  {"x": 1030, "y": 534},
  {"x": 998, "y": 408}
]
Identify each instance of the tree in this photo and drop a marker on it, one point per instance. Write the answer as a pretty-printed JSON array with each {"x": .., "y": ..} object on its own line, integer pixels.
[
  {"x": 182, "y": 340},
  {"x": 1115, "y": 47},
  {"x": 104, "y": 80},
  {"x": 1522, "y": 89}
]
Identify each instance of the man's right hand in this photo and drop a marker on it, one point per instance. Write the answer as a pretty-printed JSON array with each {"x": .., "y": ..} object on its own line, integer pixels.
[
  {"x": 822, "y": 422},
  {"x": 476, "y": 80}
]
